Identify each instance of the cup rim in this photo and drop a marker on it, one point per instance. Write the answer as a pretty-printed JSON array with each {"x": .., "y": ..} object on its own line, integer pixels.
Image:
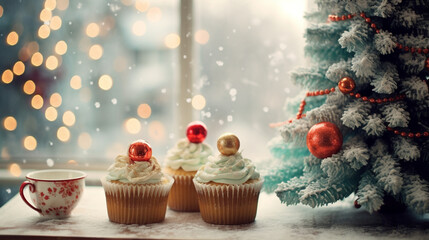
[{"x": 82, "y": 175}]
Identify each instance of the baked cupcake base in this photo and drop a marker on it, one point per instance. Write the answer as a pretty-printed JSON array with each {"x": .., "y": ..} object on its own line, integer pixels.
[
  {"x": 228, "y": 204},
  {"x": 183, "y": 196},
  {"x": 136, "y": 203}
]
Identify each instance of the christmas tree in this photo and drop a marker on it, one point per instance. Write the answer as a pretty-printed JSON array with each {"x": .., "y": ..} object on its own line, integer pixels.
[{"x": 362, "y": 126}]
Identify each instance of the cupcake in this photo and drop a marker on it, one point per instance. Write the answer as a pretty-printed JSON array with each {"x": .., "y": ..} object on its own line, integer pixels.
[
  {"x": 136, "y": 190},
  {"x": 228, "y": 185},
  {"x": 182, "y": 163}
]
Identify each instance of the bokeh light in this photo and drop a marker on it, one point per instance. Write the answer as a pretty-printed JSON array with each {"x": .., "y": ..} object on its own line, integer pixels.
[
  {"x": 76, "y": 82},
  {"x": 18, "y": 68},
  {"x": 15, "y": 170},
  {"x": 84, "y": 141},
  {"x": 50, "y": 4},
  {"x": 154, "y": 14},
  {"x": 51, "y": 114},
  {"x": 95, "y": 52},
  {"x": 63, "y": 134},
  {"x": 44, "y": 31},
  {"x": 139, "y": 28},
  {"x": 51, "y": 62},
  {"x": 1, "y": 11},
  {"x": 92, "y": 30},
  {"x": 45, "y": 15},
  {"x": 37, "y": 101},
  {"x": 55, "y": 100},
  {"x": 7, "y": 76},
  {"x": 55, "y": 23},
  {"x": 198, "y": 102},
  {"x": 69, "y": 118},
  {"x": 142, "y": 5},
  {"x": 156, "y": 131},
  {"x": 29, "y": 87},
  {"x": 37, "y": 59},
  {"x": 61, "y": 47},
  {"x": 12, "y": 38},
  {"x": 202, "y": 37},
  {"x": 62, "y": 4},
  {"x": 132, "y": 125},
  {"x": 9, "y": 123},
  {"x": 105, "y": 82},
  {"x": 29, "y": 143},
  {"x": 144, "y": 110},
  {"x": 172, "y": 40}
]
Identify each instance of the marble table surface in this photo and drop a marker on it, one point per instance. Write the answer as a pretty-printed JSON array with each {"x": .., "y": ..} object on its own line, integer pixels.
[{"x": 273, "y": 221}]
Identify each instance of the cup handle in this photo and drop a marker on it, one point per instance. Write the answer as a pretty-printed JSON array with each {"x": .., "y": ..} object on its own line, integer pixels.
[{"x": 32, "y": 189}]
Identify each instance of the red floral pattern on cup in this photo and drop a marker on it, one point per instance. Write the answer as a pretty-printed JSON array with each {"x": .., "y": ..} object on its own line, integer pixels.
[{"x": 54, "y": 198}]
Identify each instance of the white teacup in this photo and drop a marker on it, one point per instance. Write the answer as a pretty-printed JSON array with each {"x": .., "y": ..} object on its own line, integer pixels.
[{"x": 55, "y": 192}]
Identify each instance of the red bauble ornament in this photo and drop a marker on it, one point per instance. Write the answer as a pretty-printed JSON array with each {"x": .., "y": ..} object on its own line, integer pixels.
[
  {"x": 324, "y": 139},
  {"x": 140, "y": 150},
  {"x": 346, "y": 85},
  {"x": 357, "y": 205},
  {"x": 196, "y": 132}
]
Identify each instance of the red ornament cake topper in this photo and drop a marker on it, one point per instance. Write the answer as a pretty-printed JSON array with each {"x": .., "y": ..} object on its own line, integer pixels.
[
  {"x": 324, "y": 139},
  {"x": 139, "y": 150},
  {"x": 196, "y": 132}
]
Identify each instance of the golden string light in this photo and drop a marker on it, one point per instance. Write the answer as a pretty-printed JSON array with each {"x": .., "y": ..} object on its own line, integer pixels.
[
  {"x": 132, "y": 125},
  {"x": 62, "y": 4},
  {"x": 44, "y": 31},
  {"x": 37, "y": 59},
  {"x": 55, "y": 100},
  {"x": 198, "y": 102},
  {"x": 63, "y": 134},
  {"x": 12, "y": 38},
  {"x": 92, "y": 30},
  {"x": 144, "y": 110},
  {"x": 95, "y": 52},
  {"x": 15, "y": 170},
  {"x": 61, "y": 47},
  {"x": 202, "y": 37},
  {"x": 105, "y": 82},
  {"x": 139, "y": 28},
  {"x": 45, "y": 15},
  {"x": 29, "y": 87},
  {"x": 9, "y": 123},
  {"x": 154, "y": 14},
  {"x": 142, "y": 5},
  {"x": 18, "y": 68},
  {"x": 29, "y": 143},
  {"x": 7, "y": 76},
  {"x": 37, "y": 101},
  {"x": 55, "y": 23},
  {"x": 51, "y": 114},
  {"x": 76, "y": 82},
  {"x": 172, "y": 40},
  {"x": 51, "y": 62},
  {"x": 50, "y": 4},
  {"x": 1, "y": 11},
  {"x": 69, "y": 118}
]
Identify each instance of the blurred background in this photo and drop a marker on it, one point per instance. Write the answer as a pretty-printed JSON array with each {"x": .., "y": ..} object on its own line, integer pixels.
[{"x": 81, "y": 80}]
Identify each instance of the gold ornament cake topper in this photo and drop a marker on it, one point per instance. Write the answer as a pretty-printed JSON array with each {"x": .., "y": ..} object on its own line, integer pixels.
[{"x": 228, "y": 144}]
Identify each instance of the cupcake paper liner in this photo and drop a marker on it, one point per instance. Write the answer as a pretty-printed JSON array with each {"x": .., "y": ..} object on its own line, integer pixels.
[
  {"x": 129, "y": 203},
  {"x": 183, "y": 196},
  {"x": 228, "y": 204}
]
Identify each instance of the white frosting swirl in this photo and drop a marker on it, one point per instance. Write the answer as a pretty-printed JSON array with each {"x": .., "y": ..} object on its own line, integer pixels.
[
  {"x": 187, "y": 155},
  {"x": 139, "y": 172},
  {"x": 232, "y": 169}
]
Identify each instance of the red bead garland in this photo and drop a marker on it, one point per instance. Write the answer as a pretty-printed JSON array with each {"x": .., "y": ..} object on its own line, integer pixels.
[
  {"x": 335, "y": 18},
  {"x": 408, "y": 134}
]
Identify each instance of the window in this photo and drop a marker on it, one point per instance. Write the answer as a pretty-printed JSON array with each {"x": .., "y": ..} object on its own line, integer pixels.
[{"x": 80, "y": 80}]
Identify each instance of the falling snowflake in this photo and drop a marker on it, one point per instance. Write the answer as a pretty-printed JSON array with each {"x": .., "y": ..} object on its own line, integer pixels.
[
  {"x": 50, "y": 162},
  {"x": 97, "y": 129},
  {"x": 114, "y": 101},
  {"x": 51, "y": 143},
  {"x": 188, "y": 100},
  {"x": 221, "y": 48},
  {"x": 164, "y": 90},
  {"x": 265, "y": 109},
  {"x": 233, "y": 92},
  {"x": 229, "y": 118},
  {"x": 8, "y": 191},
  {"x": 219, "y": 63},
  {"x": 97, "y": 105},
  {"x": 221, "y": 122}
]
